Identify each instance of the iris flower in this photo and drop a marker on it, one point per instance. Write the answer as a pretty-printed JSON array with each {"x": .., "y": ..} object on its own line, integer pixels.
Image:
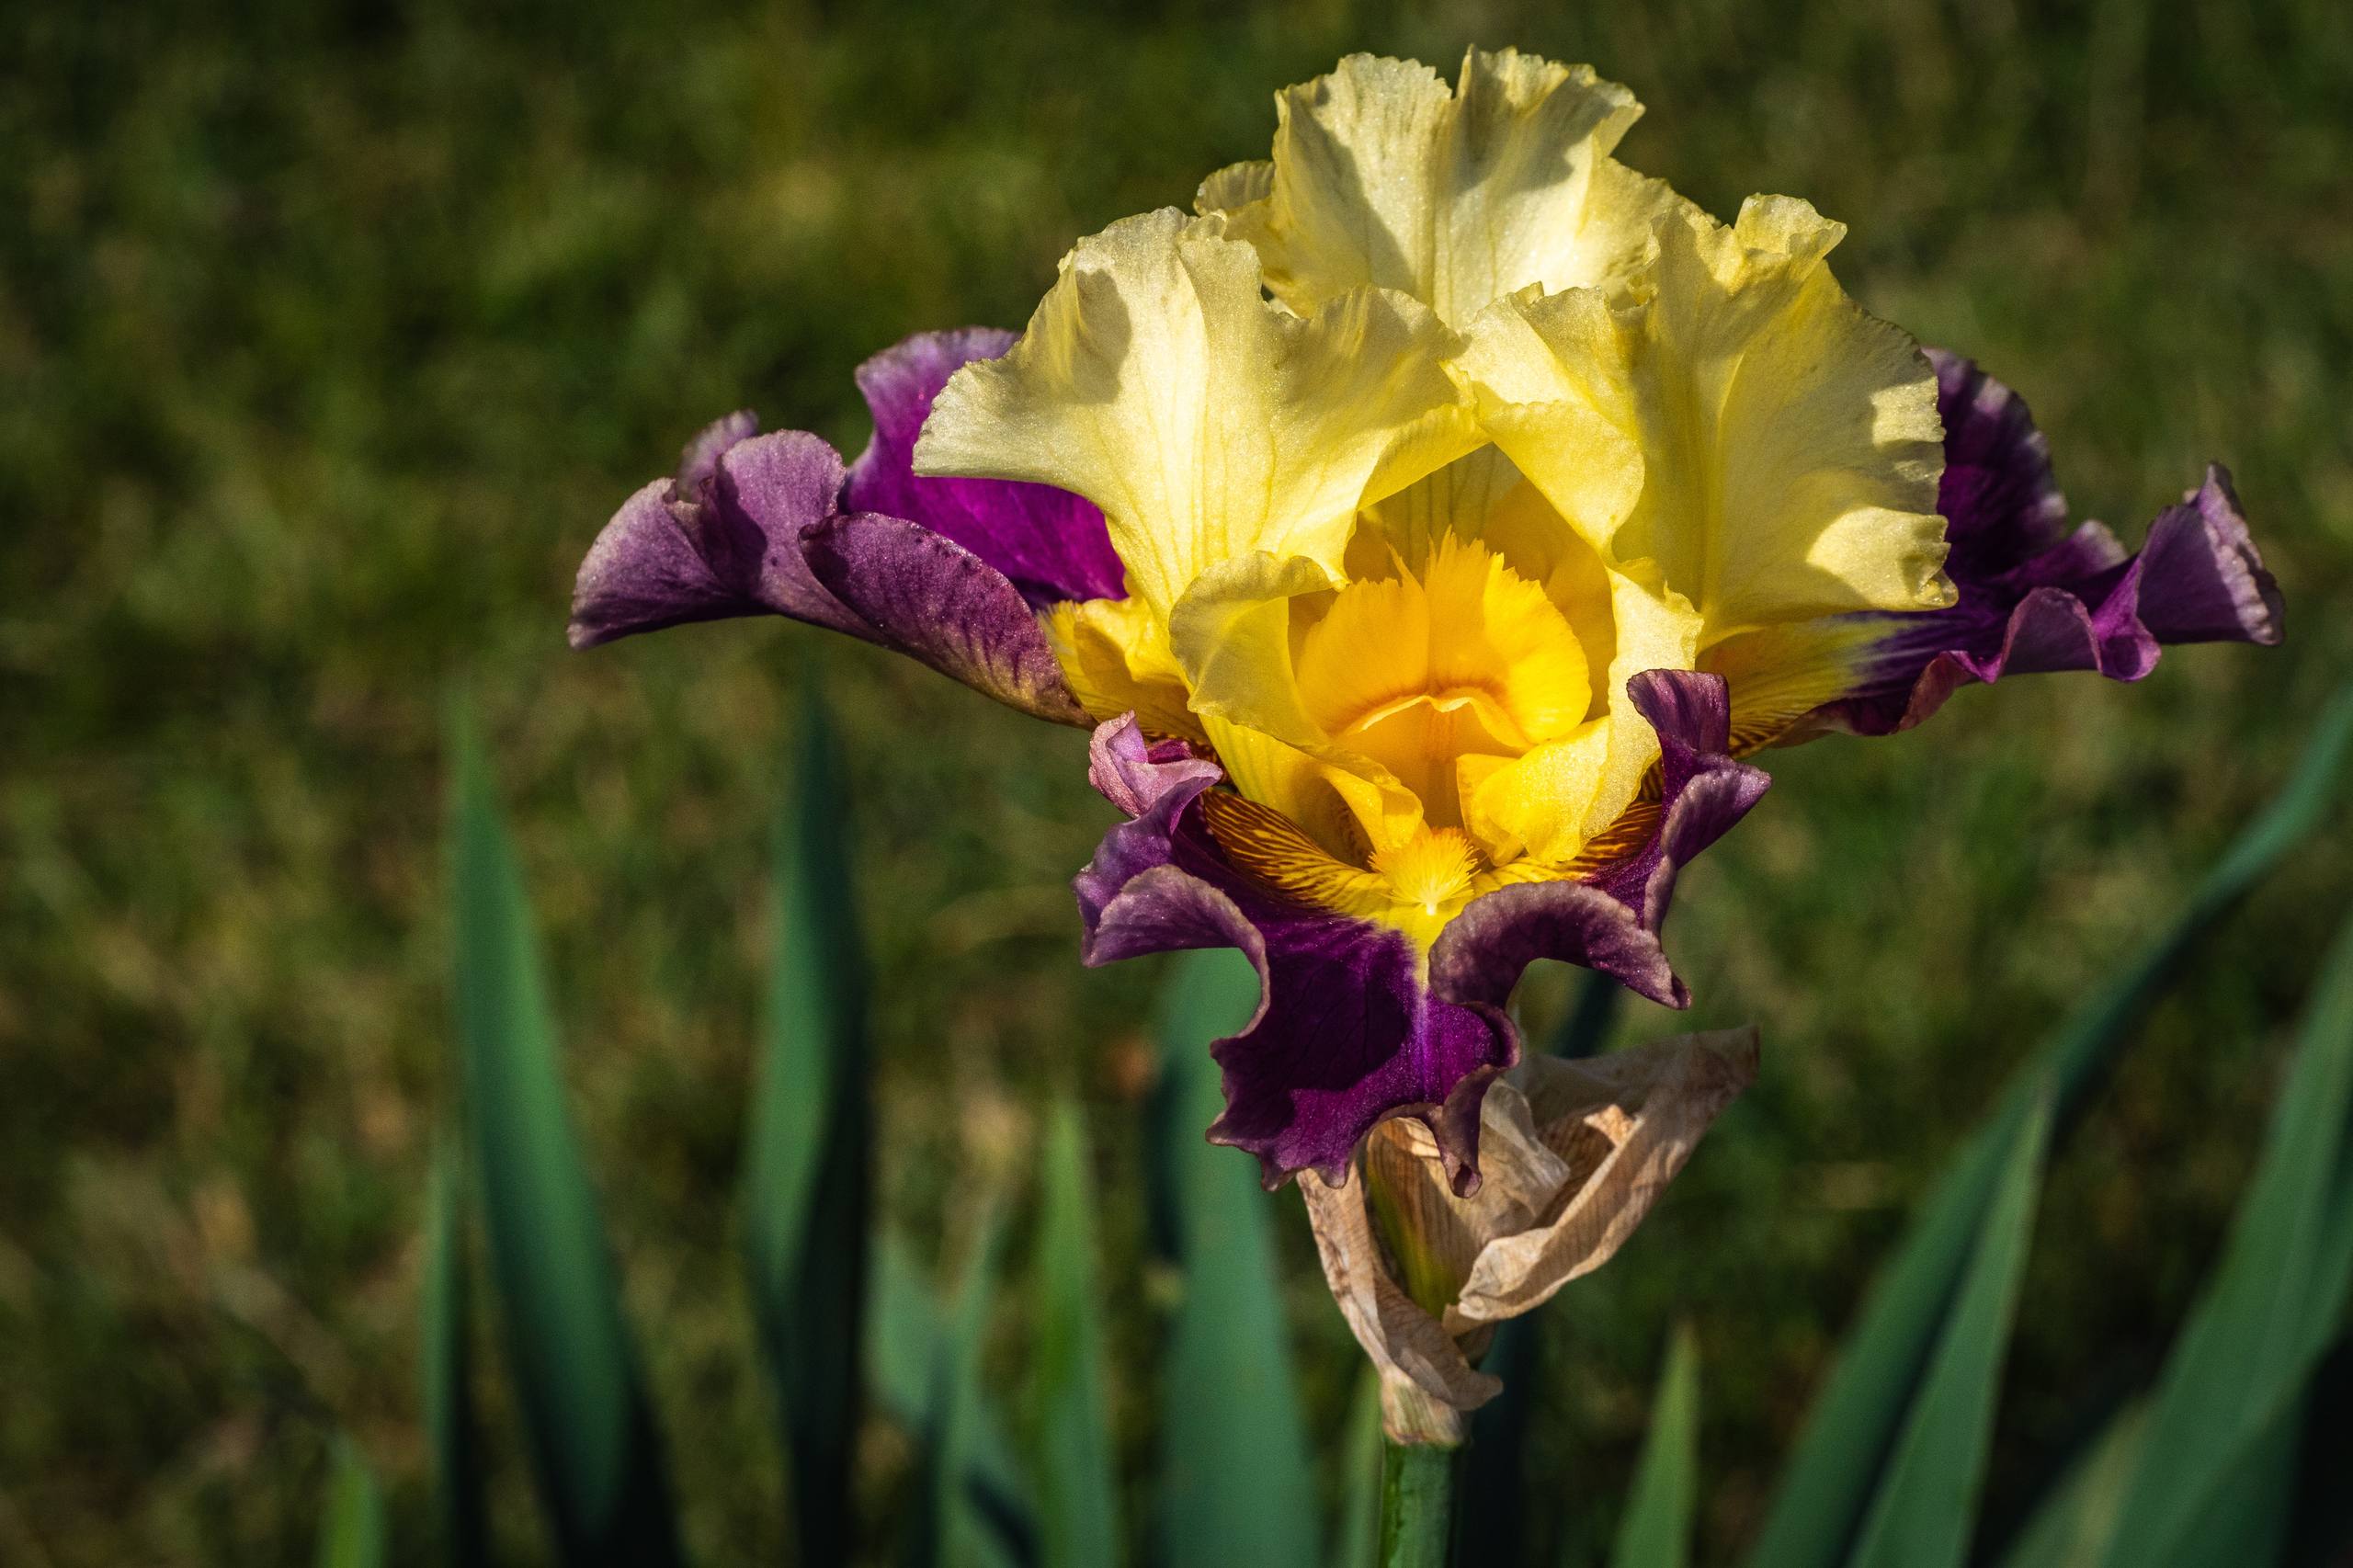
[{"x": 1431, "y": 527}]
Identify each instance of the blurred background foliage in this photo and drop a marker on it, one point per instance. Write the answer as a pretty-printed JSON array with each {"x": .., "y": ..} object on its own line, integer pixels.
[{"x": 329, "y": 336}]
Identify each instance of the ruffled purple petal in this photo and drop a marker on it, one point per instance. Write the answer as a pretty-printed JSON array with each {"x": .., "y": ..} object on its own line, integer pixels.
[
  {"x": 2034, "y": 598},
  {"x": 2201, "y": 578},
  {"x": 722, "y": 539},
  {"x": 2001, "y": 502},
  {"x": 1702, "y": 792},
  {"x": 752, "y": 525},
  {"x": 934, "y": 600},
  {"x": 1353, "y": 1024},
  {"x": 1051, "y": 544},
  {"x": 779, "y": 487},
  {"x": 1345, "y": 1033}
]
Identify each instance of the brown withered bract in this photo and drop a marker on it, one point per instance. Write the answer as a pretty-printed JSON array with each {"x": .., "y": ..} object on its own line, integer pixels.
[{"x": 1573, "y": 1153}]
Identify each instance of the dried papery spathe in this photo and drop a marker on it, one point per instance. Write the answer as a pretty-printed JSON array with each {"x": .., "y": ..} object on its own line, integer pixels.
[{"x": 1573, "y": 1152}]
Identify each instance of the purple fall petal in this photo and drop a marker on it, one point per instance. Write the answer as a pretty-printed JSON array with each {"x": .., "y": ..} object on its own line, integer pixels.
[
  {"x": 1702, "y": 791},
  {"x": 1353, "y": 1025},
  {"x": 937, "y": 602},
  {"x": 2001, "y": 502},
  {"x": 2034, "y": 598},
  {"x": 1051, "y": 544},
  {"x": 1344, "y": 1034},
  {"x": 722, "y": 539},
  {"x": 2201, "y": 577},
  {"x": 700, "y": 460},
  {"x": 751, "y": 526},
  {"x": 779, "y": 487},
  {"x": 1478, "y": 958},
  {"x": 647, "y": 570}
]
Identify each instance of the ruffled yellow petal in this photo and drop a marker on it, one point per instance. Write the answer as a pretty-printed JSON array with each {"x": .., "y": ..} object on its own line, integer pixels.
[
  {"x": 1157, "y": 381},
  {"x": 1348, "y": 803},
  {"x": 1233, "y": 188},
  {"x": 1733, "y": 420},
  {"x": 1535, "y": 542},
  {"x": 1232, "y": 635},
  {"x": 1549, "y": 803},
  {"x": 1536, "y": 804},
  {"x": 1394, "y": 695},
  {"x": 1382, "y": 175},
  {"x": 1115, "y": 657},
  {"x": 1658, "y": 628}
]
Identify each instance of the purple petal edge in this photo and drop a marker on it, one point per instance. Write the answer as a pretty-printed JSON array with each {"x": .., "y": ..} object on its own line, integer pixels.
[
  {"x": 2035, "y": 599},
  {"x": 752, "y": 525},
  {"x": 1050, "y": 544},
  {"x": 722, "y": 539},
  {"x": 1353, "y": 1025}
]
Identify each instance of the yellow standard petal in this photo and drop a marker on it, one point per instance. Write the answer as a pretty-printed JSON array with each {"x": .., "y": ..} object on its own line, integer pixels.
[
  {"x": 1157, "y": 381},
  {"x": 1384, "y": 175},
  {"x": 1732, "y": 423}
]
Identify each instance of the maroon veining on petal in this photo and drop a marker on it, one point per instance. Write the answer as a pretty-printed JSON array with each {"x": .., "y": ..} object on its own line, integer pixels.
[
  {"x": 2034, "y": 598},
  {"x": 937, "y": 602},
  {"x": 1353, "y": 1025},
  {"x": 1050, "y": 543}
]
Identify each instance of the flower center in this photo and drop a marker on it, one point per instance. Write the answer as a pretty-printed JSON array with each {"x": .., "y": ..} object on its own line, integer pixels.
[
  {"x": 1431, "y": 870},
  {"x": 1441, "y": 675}
]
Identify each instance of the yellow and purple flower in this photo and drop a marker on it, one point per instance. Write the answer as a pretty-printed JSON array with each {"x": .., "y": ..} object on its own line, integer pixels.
[{"x": 1430, "y": 526}]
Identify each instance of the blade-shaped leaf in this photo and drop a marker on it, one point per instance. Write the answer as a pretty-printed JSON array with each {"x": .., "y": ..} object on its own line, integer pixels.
[
  {"x": 1236, "y": 1485},
  {"x": 585, "y": 1409},
  {"x": 1657, "y": 1530},
  {"x": 805, "y": 1171},
  {"x": 2245, "y": 1513},
  {"x": 2242, "y": 1528},
  {"x": 909, "y": 1349},
  {"x": 904, "y": 1333},
  {"x": 2324, "y": 1520},
  {"x": 1853, "y": 1425},
  {"x": 1077, "y": 1501},
  {"x": 978, "y": 1526},
  {"x": 1587, "y": 1022},
  {"x": 2272, "y": 1308},
  {"x": 448, "y": 1355},
  {"x": 1925, "y": 1507},
  {"x": 351, "y": 1528},
  {"x": 2073, "y": 1523}
]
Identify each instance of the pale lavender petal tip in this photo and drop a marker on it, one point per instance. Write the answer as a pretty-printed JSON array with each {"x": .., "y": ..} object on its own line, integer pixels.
[{"x": 2202, "y": 579}]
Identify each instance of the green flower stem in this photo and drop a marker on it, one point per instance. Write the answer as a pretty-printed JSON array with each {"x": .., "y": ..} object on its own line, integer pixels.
[{"x": 1416, "y": 1504}]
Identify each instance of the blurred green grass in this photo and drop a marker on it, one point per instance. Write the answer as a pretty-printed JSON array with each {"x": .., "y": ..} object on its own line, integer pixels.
[{"x": 327, "y": 341}]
